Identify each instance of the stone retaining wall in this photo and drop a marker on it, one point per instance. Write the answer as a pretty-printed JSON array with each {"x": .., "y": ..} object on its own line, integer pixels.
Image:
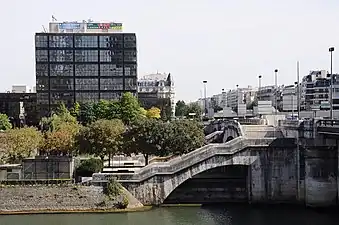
[{"x": 40, "y": 198}]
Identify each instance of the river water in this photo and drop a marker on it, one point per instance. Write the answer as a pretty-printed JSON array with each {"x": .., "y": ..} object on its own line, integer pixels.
[{"x": 225, "y": 215}]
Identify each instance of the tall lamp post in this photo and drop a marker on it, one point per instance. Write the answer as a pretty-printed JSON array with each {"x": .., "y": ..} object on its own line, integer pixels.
[
  {"x": 331, "y": 50},
  {"x": 259, "y": 86},
  {"x": 276, "y": 90},
  {"x": 237, "y": 100},
  {"x": 205, "y": 97}
]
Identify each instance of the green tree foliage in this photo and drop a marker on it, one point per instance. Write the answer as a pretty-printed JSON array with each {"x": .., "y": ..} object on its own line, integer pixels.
[
  {"x": 89, "y": 166},
  {"x": 60, "y": 117},
  {"x": 194, "y": 108},
  {"x": 130, "y": 108},
  {"x": 180, "y": 109},
  {"x": 75, "y": 110},
  {"x": 186, "y": 136},
  {"x": 144, "y": 136},
  {"x": 4, "y": 122},
  {"x": 101, "y": 138},
  {"x": 20, "y": 143},
  {"x": 87, "y": 114}
]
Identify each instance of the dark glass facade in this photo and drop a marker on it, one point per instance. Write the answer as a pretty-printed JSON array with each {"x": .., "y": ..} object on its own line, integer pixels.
[{"x": 84, "y": 67}]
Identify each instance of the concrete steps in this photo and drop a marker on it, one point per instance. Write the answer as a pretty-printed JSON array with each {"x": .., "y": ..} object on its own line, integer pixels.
[{"x": 261, "y": 131}]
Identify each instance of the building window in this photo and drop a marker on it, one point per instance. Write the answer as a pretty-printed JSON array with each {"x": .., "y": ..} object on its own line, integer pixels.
[
  {"x": 61, "y": 55},
  {"x": 111, "y": 84},
  {"x": 41, "y": 41},
  {"x": 61, "y": 41},
  {"x": 131, "y": 84},
  {"x": 41, "y": 70},
  {"x": 130, "y": 56},
  {"x": 62, "y": 97},
  {"x": 130, "y": 69},
  {"x": 42, "y": 84},
  {"x": 86, "y": 55},
  {"x": 86, "y": 70},
  {"x": 62, "y": 84},
  {"x": 110, "y": 55},
  {"x": 86, "y": 84},
  {"x": 87, "y": 97},
  {"x": 111, "y": 70},
  {"x": 86, "y": 41},
  {"x": 41, "y": 55},
  {"x": 113, "y": 41},
  {"x": 42, "y": 98},
  {"x": 110, "y": 95},
  {"x": 61, "y": 70}
]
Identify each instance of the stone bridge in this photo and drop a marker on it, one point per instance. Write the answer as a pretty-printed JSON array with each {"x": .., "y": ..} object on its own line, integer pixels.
[
  {"x": 226, "y": 130},
  {"x": 154, "y": 183},
  {"x": 259, "y": 164}
]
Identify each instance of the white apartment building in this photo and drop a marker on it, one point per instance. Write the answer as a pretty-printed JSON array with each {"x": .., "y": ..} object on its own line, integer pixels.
[
  {"x": 20, "y": 89},
  {"x": 290, "y": 98},
  {"x": 315, "y": 91},
  {"x": 240, "y": 96},
  {"x": 153, "y": 88}
]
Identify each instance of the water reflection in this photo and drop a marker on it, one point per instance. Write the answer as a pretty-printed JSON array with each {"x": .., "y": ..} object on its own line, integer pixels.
[{"x": 221, "y": 215}]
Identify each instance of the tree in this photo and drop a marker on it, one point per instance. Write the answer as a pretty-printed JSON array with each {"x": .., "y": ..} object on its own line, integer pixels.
[
  {"x": 75, "y": 110},
  {"x": 187, "y": 135},
  {"x": 4, "y": 122},
  {"x": 130, "y": 108},
  {"x": 62, "y": 140},
  {"x": 20, "y": 143},
  {"x": 61, "y": 116},
  {"x": 101, "y": 109},
  {"x": 101, "y": 138},
  {"x": 194, "y": 108},
  {"x": 89, "y": 166},
  {"x": 153, "y": 113},
  {"x": 114, "y": 110},
  {"x": 144, "y": 137},
  {"x": 87, "y": 114},
  {"x": 181, "y": 109}
]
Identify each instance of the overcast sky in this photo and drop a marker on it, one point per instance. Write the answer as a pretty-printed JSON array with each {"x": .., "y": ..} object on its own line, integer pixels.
[{"x": 226, "y": 42}]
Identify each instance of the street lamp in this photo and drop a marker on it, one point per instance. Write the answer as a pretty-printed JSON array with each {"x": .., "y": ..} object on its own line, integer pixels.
[
  {"x": 259, "y": 86},
  {"x": 237, "y": 100},
  {"x": 331, "y": 50},
  {"x": 205, "y": 100},
  {"x": 276, "y": 90}
]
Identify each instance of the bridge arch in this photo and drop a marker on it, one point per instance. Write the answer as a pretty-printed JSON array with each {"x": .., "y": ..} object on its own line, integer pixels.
[
  {"x": 232, "y": 129},
  {"x": 219, "y": 184},
  {"x": 169, "y": 185},
  {"x": 229, "y": 138}
]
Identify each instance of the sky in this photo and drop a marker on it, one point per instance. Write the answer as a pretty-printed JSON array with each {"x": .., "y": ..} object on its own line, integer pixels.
[{"x": 225, "y": 42}]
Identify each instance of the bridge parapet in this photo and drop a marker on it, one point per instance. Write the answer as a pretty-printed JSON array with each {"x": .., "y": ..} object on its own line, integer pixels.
[{"x": 185, "y": 161}]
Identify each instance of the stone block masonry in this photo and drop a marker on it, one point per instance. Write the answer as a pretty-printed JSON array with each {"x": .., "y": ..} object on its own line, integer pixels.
[{"x": 56, "y": 198}]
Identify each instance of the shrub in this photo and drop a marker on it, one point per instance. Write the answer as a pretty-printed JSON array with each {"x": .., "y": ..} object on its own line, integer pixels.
[
  {"x": 88, "y": 167},
  {"x": 113, "y": 189},
  {"x": 123, "y": 203}
]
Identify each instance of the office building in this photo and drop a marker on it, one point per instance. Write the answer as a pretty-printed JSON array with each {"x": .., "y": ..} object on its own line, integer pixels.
[
  {"x": 83, "y": 65},
  {"x": 157, "y": 90}
]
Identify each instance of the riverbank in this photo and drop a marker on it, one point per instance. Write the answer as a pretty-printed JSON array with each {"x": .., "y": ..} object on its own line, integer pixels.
[{"x": 63, "y": 199}]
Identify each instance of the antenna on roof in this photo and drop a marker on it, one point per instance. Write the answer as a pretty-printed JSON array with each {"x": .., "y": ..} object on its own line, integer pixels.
[
  {"x": 43, "y": 27},
  {"x": 53, "y": 18}
]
